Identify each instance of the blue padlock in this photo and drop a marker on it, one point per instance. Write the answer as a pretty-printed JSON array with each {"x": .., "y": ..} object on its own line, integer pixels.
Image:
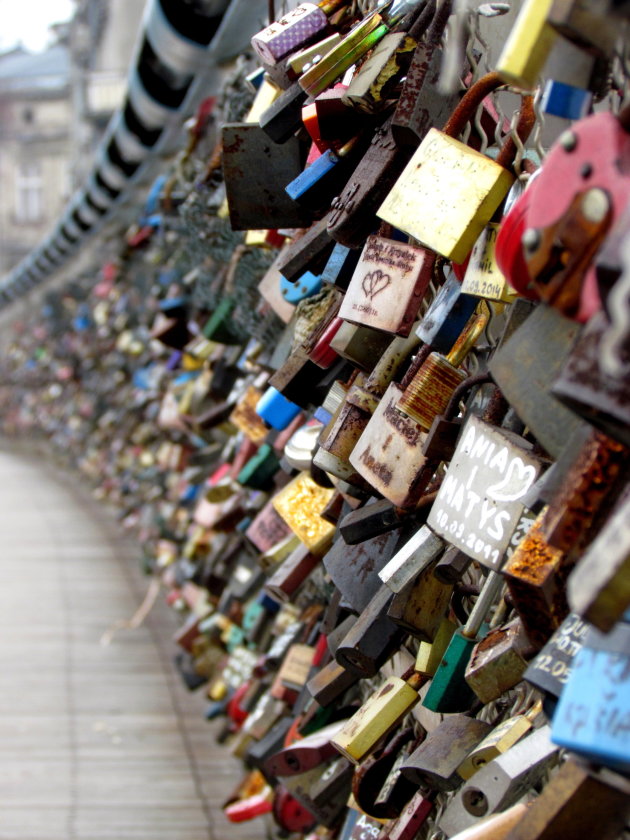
[
  {"x": 562, "y": 100},
  {"x": 276, "y": 410},
  {"x": 447, "y": 316},
  {"x": 340, "y": 267},
  {"x": 305, "y": 286},
  {"x": 310, "y": 178},
  {"x": 592, "y": 717}
]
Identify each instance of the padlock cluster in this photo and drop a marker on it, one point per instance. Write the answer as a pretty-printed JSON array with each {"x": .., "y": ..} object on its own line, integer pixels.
[{"x": 360, "y": 388}]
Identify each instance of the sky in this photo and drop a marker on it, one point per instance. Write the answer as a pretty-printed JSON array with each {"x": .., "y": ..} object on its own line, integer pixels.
[{"x": 27, "y": 21}]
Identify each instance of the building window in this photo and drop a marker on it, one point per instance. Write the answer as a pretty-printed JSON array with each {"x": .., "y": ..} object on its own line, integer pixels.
[{"x": 29, "y": 203}]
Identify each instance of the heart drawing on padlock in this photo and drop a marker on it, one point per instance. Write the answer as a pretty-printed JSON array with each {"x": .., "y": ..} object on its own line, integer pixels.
[
  {"x": 375, "y": 282},
  {"x": 519, "y": 479}
]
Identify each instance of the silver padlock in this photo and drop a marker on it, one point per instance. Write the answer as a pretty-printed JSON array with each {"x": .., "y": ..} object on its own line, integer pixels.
[{"x": 501, "y": 783}]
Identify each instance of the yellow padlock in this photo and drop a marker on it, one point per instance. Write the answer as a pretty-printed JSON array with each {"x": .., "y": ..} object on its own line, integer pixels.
[
  {"x": 528, "y": 45},
  {"x": 448, "y": 192}
]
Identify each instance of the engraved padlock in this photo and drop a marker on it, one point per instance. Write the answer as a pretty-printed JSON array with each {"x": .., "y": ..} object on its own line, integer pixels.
[
  {"x": 388, "y": 285},
  {"x": 448, "y": 192}
]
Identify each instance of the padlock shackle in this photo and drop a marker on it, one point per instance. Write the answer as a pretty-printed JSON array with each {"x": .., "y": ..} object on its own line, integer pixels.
[
  {"x": 467, "y": 339},
  {"x": 471, "y": 100}
]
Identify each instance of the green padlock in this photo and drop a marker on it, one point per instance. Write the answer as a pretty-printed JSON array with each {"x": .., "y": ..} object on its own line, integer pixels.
[{"x": 449, "y": 691}]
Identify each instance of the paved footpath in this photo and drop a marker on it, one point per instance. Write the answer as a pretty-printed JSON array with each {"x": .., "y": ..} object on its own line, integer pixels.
[{"x": 96, "y": 743}]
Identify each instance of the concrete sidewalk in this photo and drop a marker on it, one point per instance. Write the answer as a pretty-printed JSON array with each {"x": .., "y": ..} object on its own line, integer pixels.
[{"x": 96, "y": 742}]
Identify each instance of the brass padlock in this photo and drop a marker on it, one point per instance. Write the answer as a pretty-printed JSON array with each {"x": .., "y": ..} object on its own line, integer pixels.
[
  {"x": 430, "y": 390},
  {"x": 376, "y": 718},
  {"x": 528, "y": 45},
  {"x": 502, "y": 737},
  {"x": 448, "y": 192}
]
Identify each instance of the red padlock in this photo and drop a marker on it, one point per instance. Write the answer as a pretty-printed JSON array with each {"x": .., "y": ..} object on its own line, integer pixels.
[
  {"x": 583, "y": 188},
  {"x": 509, "y": 248}
]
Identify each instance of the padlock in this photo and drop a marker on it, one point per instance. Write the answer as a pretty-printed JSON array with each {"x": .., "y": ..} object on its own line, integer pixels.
[
  {"x": 496, "y": 827},
  {"x": 525, "y": 365},
  {"x": 435, "y": 761},
  {"x": 354, "y": 415},
  {"x": 580, "y": 193},
  {"x": 308, "y": 252},
  {"x": 317, "y": 185},
  {"x": 502, "y": 737},
  {"x": 535, "y": 575},
  {"x": 498, "y": 662},
  {"x": 550, "y": 670},
  {"x": 448, "y": 690},
  {"x": 283, "y": 117},
  {"x": 576, "y": 802},
  {"x": 331, "y": 682},
  {"x": 300, "y": 61},
  {"x": 353, "y": 213},
  {"x": 325, "y": 811},
  {"x": 484, "y": 278},
  {"x": 430, "y": 654},
  {"x": 567, "y": 101},
  {"x": 253, "y": 166},
  {"x": 411, "y": 820},
  {"x": 290, "y": 814},
  {"x": 376, "y": 718},
  {"x": 421, "y": 104},
  {"x": 376, "y": 79},
  {"x": 591, "y": 718},
  {"x": 375, "y": 518},
  {"x": 399, "y": 270},
  {"x": 305, "y": 754},
  {"x": 378, "y": 786},
  {"x": 362, "y": 38},
  {"x": 372, "y": 639},
  {"x": 388, "y": 454},
  {"x": 260, "y": 469},
  {"x": 502, "y": 782},
  {"x": 574, "y": 510},
  {"x": 452, "y": 566},
  {"x": 362, "y": 346},
  {"x": 430, "y": 390},
  {"x": 599, "y": 586},
  {"x": 291, "y": 573},
  {"x": 420, "y": 607},
  {"x": 587, "y": 390},
  {"x": 446, "y": 317},
  {"x": 479, "y": 502},
  {"x": 585, "y": 25},
  {"x": 450, "y": 222},
  {"x": 528, "y": 45},
  {"x": 290, "y": 32},
  {"x": 355, "y": 570},
  {"x": 340, "y": 266},
  {"x": 412, "y": 559}
]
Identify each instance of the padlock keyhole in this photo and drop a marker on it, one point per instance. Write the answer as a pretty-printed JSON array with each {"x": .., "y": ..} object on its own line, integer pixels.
[{"x": 475, "y": 802}]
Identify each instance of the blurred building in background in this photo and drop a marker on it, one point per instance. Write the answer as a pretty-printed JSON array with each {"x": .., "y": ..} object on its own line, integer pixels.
[{"x": 54, "y": 107}]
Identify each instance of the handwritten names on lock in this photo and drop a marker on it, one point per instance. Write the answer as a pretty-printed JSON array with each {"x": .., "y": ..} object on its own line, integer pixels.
[
  {"x": 483, "y": 276},
  {"x": 388, "y": 285},
  {"x": 550, "y": 670},
  {"x": 478, "y": 505}
]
